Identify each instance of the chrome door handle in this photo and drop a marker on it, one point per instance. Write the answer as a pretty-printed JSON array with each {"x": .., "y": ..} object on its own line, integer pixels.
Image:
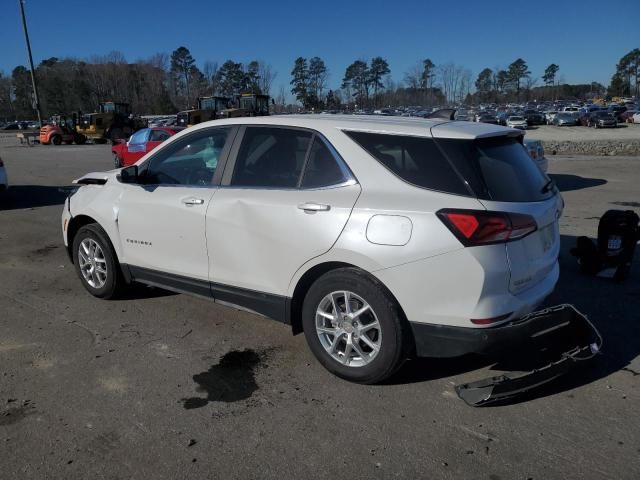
[
  {"x": 193, "y": 201},
  {"x": 314, "y": 207}
]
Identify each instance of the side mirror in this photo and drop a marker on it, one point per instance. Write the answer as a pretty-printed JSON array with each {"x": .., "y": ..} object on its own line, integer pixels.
[{"x": 129, "y": 174}]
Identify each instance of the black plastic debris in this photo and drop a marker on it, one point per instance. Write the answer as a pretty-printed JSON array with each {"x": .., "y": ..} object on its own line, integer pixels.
[
  {"x": 559, "y": 338},
  {"x": 612, "y": 254}
]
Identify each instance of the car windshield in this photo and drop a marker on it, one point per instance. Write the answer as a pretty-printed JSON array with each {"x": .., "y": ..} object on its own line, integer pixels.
[
  {"x": 497, "y": 169},
  {"x": 516, "y": 119}
]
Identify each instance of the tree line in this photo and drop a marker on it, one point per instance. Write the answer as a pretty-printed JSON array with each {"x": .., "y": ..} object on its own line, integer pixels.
[{"x": 163, "y": 84}]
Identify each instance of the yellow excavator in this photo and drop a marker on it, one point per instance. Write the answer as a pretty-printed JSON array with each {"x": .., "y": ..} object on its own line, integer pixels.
[
  {"x": 249, "y": 105},
  {"x": 209, "y": 108},
  {"x": 112, "y": 121}
]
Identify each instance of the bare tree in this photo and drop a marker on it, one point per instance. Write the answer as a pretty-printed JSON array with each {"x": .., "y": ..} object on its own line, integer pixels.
[
  {"x": 413, "y": 75},
  {"x": 267, "y": 76}
]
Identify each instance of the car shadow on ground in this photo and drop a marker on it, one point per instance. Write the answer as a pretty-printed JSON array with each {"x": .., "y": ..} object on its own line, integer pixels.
[
  {"x": 613, "y": 309},
  {"x": 566, "y": 182},
  {"x": 31, "y": 196}
]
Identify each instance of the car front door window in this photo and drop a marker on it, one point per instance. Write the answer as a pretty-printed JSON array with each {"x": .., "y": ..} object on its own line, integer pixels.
[{"x": 192, "y": 160}]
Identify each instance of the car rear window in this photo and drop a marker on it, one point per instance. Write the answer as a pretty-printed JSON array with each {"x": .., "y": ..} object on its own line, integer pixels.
[
  {"x": 497, "y": 169},
  {"x": 416, "y": 160}
]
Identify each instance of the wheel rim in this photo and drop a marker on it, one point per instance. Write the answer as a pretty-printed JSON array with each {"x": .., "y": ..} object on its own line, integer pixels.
[
  {"x": 92, "y": 262},
  {"x": 348, "y": 329}
]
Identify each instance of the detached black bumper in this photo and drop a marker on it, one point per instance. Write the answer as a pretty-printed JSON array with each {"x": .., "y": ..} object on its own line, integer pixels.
[{"x": 551, "y": 341}]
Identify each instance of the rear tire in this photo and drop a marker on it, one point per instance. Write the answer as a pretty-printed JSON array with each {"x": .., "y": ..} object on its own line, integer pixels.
[
  {"x": 364, "y": 343},
  {"x": 96, "y": 262}
]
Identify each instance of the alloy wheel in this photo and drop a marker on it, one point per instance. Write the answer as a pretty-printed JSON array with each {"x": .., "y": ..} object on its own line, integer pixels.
[
  {"x": 92, "y": 262},
  {"x": 348, "y": 328}
]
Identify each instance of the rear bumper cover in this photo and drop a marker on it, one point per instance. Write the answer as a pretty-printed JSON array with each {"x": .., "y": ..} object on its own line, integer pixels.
[{"x": 552, "y": 340}]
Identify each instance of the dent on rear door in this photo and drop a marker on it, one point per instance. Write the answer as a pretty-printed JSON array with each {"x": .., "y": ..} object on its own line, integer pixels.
[{"x": 532, "y": 258}]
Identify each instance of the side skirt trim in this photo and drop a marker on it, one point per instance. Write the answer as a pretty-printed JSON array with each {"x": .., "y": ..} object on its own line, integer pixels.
[{"x": 266, "y": 304}]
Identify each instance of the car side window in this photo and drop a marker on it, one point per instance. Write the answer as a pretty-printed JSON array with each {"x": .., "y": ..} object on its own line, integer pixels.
[
  {"x": 191, "y": 160},
  {"x": 322, "y": 168},
  {"x": 158, "y": 136},
  {"x": 271, "y": 157},
  {"x": 140, "y": 136}
]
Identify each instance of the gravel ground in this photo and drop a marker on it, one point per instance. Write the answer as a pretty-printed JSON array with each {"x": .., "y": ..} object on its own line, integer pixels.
[
  {"x": 551, "y": 133},
  {"x": 98, "y": 389}
]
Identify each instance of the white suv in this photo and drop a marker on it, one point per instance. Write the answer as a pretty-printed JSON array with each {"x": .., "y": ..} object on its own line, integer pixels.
[{"x": 379, "y": 237}]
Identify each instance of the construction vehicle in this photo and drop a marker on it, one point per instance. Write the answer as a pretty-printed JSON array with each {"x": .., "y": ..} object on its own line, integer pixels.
[
  {"x": 209, "y": 108},
  {"x": 62, "y": 128},
  {"x": 112, "y": 121},
  {"x": 249, "y": 105}
]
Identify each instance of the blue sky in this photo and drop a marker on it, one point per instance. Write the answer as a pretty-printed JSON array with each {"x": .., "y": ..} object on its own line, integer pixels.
[{"x": 586, "y": 38}]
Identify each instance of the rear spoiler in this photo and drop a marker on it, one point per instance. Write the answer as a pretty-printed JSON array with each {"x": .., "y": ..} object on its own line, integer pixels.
[
  {"x": 560, "y": 339},
  {"x": 443, "y": 114}
]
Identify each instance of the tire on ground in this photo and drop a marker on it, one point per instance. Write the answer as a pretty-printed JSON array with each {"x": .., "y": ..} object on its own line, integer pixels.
[
  {"x": 395, "y": 336},
  {"x": 114, "y": 283}
]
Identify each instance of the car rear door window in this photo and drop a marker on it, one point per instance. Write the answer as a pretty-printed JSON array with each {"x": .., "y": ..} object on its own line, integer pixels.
[
  {"x": 323, "y": 169},
  {"x": 416, "y": 160},
  {"x": 271, "y": 157}
]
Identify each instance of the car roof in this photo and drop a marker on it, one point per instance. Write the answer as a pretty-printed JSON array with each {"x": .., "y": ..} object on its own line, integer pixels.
[{"x": 376, "y": 124}]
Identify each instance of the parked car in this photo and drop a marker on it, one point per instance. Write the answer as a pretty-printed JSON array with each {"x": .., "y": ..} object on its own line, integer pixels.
[
  {"x": 549, "y": 116},
  {"x": 501, "y": 117},
  {"x": 565, "y": 119},
  {"x": 584, "y": 119},
  {"x": 534, "y": 118},
  {"x": 290, "y": 217},
  {"x": 12, "y": 126},
  {"x": 4, "y": 181},
  {"x": 487, "y": 119},
  {"x": 602, "y": 119},
  {"x": 627, "y": 117},
  {"x": 636, "y": 117},
  {"x": 517, "y": 122},
  {"x": 139, "y": 144},
  {"x": 535, "y": 149},
  {"x": 617, "y": 111}
]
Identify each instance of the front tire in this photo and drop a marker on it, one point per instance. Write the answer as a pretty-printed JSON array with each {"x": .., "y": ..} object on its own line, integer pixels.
[
  {"x": 56, "y": 139},
  {"x": 354, "y": 326},
  {"x": 96, "y": 262}
]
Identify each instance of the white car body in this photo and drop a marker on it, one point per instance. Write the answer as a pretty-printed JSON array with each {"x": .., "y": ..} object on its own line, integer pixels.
[
  {"x": 517, "y": 122},
  {"x": 255, "y": 247},
  {"x": 636, "y": 117}
]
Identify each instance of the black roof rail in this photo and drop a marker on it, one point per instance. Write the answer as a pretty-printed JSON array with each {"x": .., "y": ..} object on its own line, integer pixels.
[{"x": 443, "y": 113}]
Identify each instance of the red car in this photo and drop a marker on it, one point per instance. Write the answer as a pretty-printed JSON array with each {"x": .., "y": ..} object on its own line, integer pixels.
[{"x": 140, "y": 143}]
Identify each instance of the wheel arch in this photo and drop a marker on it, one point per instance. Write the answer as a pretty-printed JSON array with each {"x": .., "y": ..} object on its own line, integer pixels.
[
  {"x": 75, "y": 224},
  {"x": 79, "y": 221},
  {"x": 315, "y": 272}
]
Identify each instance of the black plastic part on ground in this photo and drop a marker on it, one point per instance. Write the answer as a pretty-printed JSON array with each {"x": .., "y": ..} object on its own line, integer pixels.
[{"x": 561, "y": 338}]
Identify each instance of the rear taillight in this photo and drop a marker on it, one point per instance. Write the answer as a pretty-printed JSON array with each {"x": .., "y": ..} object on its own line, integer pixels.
[{"x": 479, "y": 227}]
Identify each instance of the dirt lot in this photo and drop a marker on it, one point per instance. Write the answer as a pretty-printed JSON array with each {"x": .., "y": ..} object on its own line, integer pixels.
[{"x": 98, "y": 389}]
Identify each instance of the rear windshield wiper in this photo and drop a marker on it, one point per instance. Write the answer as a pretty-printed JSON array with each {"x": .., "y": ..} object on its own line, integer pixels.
[{"x": 547, "y": 186}]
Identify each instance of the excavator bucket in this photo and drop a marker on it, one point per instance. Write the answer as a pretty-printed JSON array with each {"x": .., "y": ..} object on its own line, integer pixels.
[{"x": 559, "y": 339}]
